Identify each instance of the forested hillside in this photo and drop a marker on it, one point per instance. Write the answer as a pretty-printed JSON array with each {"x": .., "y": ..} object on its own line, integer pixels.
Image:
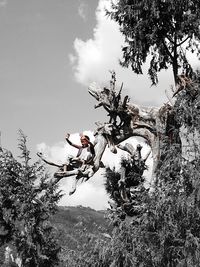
[{"x": 79, "y": 228}]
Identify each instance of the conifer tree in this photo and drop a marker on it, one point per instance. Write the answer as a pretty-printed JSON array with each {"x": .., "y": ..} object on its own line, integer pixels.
[
  {"x": 27, "y": 201},
  {"x": 163, "y": 30}
]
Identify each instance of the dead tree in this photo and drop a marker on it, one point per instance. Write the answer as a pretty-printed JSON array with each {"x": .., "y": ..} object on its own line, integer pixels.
[{"x": 158, "y": 126}]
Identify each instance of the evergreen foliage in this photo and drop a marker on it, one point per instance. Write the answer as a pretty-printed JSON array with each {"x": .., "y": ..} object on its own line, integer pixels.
[
  {"x": 124, "y": 193},
  {"x": 166, "y": 231},
  {"x": 162, "y": 29},
  {"x": 27, "y": 201},
  {"x": 157, "y": 228}
]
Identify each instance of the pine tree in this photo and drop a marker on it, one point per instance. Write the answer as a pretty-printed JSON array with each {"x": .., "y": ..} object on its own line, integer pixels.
[
  {"x": 27, "y": 201},
  {"x": 163, "y": 30}
]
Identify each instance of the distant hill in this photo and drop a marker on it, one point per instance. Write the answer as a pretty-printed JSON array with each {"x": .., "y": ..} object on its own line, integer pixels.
[{"x": 77, "y": 225}]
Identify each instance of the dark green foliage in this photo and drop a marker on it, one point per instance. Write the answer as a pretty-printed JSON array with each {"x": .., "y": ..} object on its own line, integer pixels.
[
  {"x": 187, "y": 107},
  {"x": 27, "y": 201},
  {"x": 134, "y": 171},
  {"x": 161, "y": 29},
  {"x": 167, "y": 231},
  {"x": 119, "y": 190},
  {"x": 111, "y": 184}
]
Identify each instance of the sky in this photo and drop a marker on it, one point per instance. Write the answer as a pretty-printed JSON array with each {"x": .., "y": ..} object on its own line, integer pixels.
[{"x": 50, "y": 52}]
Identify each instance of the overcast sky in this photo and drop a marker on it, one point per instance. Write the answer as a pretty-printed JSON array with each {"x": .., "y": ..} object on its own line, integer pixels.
[{"x": 50, "y": 51}]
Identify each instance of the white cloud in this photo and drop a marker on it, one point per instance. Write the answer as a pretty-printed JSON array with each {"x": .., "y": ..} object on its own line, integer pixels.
[
  {"x": 56, "y": 153},
  {"x": 96, "y": 56},
  {"x": 89, "y": 194}
]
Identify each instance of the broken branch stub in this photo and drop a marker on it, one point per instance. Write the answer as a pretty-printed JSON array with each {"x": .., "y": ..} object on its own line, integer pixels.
[{"x": 127, "y": 119}]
